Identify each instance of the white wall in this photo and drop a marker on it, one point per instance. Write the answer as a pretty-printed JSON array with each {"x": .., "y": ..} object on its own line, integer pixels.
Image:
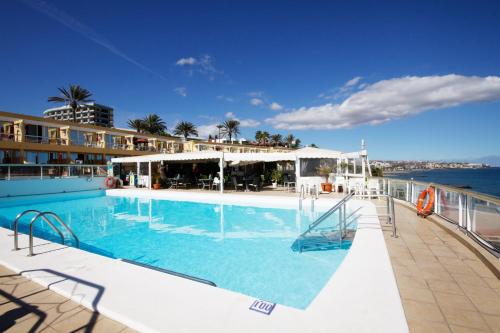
[{"x": 48, "y": 186}]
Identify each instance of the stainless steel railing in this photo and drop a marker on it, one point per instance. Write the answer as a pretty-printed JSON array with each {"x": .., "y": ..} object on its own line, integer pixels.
[
  {"x": 390, "y": 214},
  {"x": 476, "y": 214},
  {"x": 42, "y": 215}
]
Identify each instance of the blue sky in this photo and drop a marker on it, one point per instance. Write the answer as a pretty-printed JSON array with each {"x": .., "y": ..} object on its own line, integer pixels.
[{"x": 396, "y": 74}]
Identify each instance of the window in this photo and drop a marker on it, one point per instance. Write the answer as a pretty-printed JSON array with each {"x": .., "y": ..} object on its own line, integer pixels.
[{"x": 309, "y": 166}]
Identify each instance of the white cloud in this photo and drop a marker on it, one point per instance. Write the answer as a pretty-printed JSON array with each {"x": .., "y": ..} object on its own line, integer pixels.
[
  {"x": 182, "y": 91},
  {"x": 256, "y": 94},
  {"x": 352, "y": 82},
  {"x": 392, "y": 99},
  {"x": 205, "y": 130},
  {"x": 275, "y": 106},
  {"x": 249, "y": 123},
  {"x": 225, "y": 98},
  {"x": 203, "y": 65},
  {"x": 256, "y": 101},
  {"x": 345, "y": 90},
  {"x": 186, "y": 61},
  {"x": 243, "y": 122}
]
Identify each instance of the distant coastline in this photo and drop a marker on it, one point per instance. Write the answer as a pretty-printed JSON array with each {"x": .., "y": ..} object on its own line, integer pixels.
[{"x": 482, "y": 180}]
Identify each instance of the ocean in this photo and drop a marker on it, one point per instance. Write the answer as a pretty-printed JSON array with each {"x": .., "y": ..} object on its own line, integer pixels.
[{"x": 485, "y": 180}]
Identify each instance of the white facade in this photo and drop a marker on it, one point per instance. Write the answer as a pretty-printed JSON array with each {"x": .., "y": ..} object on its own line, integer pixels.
[{"x": 89, "y": 113}]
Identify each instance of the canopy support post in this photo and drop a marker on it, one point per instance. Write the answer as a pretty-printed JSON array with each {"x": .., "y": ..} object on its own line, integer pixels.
[
  {"x": 221, "y": 173},
  {"x": 150, "y": 175}
]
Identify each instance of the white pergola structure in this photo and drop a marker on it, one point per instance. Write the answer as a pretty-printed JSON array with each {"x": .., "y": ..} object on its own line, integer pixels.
[{"x": 247, "y": 158}]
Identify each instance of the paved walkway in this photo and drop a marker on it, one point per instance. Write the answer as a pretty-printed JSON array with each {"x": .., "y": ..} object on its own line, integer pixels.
[
  {"x": 26, "y": 306},
  {"x": 443, "y": 284}
]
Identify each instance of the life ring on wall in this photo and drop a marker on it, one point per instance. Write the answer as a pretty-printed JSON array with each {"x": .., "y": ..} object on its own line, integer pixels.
[
  {"x": 110, "y": 182},
  {"x": 429, "y": 207}
]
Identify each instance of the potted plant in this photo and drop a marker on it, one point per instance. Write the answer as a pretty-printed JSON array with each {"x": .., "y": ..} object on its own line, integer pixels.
[
  {"x": 276, "y": 176},
  {"x": 157, "y": 185},
  {"x": 325, "y": 171}
]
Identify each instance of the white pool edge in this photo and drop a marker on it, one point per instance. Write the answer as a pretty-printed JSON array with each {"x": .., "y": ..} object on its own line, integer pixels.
[{"x": 361, "y": 296}]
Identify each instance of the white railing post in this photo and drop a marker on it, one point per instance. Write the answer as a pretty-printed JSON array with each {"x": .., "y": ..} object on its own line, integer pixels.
[
  {"x": 461, "y": 211},
  {"x": 408, "y": 191},
  {"x": 8, "y": 172},
  {"x": 436, "y": 201},
  {"x": 41, "y": 171}
]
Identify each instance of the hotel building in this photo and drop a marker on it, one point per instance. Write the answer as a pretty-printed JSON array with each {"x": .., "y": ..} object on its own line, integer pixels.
[
  {"x": 89, "y": 113},
  {"x": 28, "y": 139}
]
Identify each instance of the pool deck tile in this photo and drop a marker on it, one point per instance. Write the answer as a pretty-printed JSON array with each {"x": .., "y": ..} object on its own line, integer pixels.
[
  {"x": 26, "y": 306},
  {"x": 444, "y": 285}
]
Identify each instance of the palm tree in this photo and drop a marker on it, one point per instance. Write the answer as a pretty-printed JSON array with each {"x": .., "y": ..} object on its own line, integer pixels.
[
  {"x": 154, "y": 124},
  {"x": 297, "y": 143},
  {"x": 265, "y": 137},
  {"x": 185, "y": 128},
  {"x": 276, "y": 139},
  {"x": 258, "y": 137},
  {"x": 231, "y": 128},
  {"x": 290, "y": 140},
  {"x": 219, "y": 127},
  {"x": 137, "y": 124},
  {"x": 73, "y": 97}
]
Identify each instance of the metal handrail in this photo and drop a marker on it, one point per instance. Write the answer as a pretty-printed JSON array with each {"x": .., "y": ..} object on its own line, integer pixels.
[
  {"x": 16, "y": 222},
  {"x": 390, "y": 209},
  {"x": 465, "y": 220},
  {"x": 58, "y": 219},
  {"x": 481, "y": 196},
  {"x": 328, "y": 213}
]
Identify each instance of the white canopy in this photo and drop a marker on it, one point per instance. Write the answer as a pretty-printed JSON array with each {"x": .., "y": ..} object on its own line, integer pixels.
[
  {"x": 311, "y": 152},
  {"x": 192, "y": 156},
  {"x": 308, "y": 152}
]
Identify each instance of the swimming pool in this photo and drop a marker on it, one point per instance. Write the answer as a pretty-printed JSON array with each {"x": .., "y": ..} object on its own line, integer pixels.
[{"x": 245, "y": 249}]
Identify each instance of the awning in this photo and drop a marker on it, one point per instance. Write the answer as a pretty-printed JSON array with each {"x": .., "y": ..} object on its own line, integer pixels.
[
  {"x": 310, "y": 152},
  {"x": 241, "y": 158},
  {"x": 192, "y": 156},
  {"x": 259, "y": 157}
]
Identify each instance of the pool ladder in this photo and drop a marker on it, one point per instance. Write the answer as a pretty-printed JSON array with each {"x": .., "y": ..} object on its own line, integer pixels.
[
  {"x": 42, "y": 215},
  {"x": 313, "y": 191}
]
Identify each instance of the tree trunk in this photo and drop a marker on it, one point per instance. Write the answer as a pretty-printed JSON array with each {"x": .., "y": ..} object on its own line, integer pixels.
[{"x": 74, "y": 114}]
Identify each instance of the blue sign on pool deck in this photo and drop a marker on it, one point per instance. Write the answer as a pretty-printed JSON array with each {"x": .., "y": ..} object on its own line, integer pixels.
[{"x": 263, "y": 307}]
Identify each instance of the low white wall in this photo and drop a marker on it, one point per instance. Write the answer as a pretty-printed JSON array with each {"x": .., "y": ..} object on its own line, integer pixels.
[{"x": 48, "y": 186}]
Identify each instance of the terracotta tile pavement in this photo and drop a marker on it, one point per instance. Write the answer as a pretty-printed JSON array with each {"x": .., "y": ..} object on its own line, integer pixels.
[{"x": 444, "y": 286}]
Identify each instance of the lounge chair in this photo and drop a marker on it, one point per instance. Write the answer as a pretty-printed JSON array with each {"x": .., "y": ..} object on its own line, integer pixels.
[
  {"x": 255, "y": 184},
  {"x": 236, "y": 184}
]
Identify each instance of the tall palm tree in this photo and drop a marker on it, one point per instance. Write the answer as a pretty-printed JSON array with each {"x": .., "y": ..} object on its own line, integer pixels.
[
  {"x": 290, "y": 140},
  {"x": 185, "y": 128},
  {"x": 297, "y": 143},
  {"x": 73, "y": 97},
  {"x": 154, "y": 124},
  {"x": 137, "y": 124},
  {"x": 258, "y": 137},
  {"x": 265, "y": 137},
  {"x": 231, "y": 128},
  {"x": 219, "y": 127},
  {"x": 276, "y": 139}
]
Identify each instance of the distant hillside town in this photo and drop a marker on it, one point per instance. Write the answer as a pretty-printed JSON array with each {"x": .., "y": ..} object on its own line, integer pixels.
[{"x": 394, "y": 166}]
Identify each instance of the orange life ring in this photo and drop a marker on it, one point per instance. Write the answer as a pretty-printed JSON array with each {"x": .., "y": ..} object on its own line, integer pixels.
[
  {"x": 428, "y": 209},
  {"x": 110, "y": 182}
]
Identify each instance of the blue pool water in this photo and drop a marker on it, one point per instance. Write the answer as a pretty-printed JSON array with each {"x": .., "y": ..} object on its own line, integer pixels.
[{"x": 243, "y": 249}]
